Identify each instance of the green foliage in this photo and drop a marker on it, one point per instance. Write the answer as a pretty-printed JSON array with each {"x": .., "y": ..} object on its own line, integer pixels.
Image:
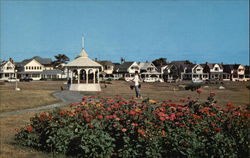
[
  {"x": 192, "y": 87},
  {"x": 116, "y": 127}
]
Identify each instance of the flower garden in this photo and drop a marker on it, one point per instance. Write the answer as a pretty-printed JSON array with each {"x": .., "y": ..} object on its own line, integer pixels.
[{"x": 117, "y": 127}]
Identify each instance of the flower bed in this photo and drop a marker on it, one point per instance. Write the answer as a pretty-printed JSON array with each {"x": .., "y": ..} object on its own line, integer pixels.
[{"x": 116, "y": 127}]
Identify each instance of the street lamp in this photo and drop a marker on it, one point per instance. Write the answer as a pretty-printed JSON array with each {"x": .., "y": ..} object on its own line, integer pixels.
[{"x": 17, "y": 89}]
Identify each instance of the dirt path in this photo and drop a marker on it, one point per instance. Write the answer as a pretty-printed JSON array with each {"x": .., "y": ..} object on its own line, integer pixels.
[{"x": 66, "y": 96}]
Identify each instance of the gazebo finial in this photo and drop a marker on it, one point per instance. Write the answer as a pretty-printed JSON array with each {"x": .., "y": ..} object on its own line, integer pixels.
[
  {"x": 82, "y": 42},
  {"x": 83, "y": 52}
]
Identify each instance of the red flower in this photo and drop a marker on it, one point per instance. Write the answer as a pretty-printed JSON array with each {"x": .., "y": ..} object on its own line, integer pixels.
[
  {"x": 134, "y": 124},
  {"x": 199, "y": 91},
  {"x": 217, "y": 129},
  {"x": 212, "y": 94},
  {"x": 90, "y": 126},
  {"x": 162, "y": 118},
  {"x": 172, "y": 116},
  {"x": 29, "y": 128},
  {"x": 163, "y": 132},
  {"x": 132, "y": 112},
  {"x": 100, "y": 117},
  {"x": 179, "y": 114},
  {"x": 17, "y": 130},
  {"x": 124, "y": 129},
  {"x": 212, "y": 114},
  {"x": 62, "y": 112},
  {"x": 141, "y": 132},
  {"x": 184, "y": 100}
]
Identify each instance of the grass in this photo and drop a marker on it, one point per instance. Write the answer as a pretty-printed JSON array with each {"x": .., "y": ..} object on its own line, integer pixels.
[
  {"x": 32, "y": 92},
  {"x": 162, "y": 91}
]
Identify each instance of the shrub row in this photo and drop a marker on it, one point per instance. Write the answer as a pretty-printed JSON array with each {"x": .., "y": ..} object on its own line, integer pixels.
[{"x": 116, "y": 127}]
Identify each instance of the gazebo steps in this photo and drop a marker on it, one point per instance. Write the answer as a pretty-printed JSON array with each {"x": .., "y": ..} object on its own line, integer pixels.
[{"x": 85, "y": 87}]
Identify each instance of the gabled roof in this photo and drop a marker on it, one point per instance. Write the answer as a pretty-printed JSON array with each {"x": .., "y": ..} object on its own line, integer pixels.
[
  {"x": 123, "y": 67},
  {"x": 229, "y": 67},
  {"x": 145, "y": 65},
  {"x": 105, "y": 63},
  {"x": 211, "y": 65},
  {"x": 43, "y": 61},
  {"x": 182, "y": 64}
]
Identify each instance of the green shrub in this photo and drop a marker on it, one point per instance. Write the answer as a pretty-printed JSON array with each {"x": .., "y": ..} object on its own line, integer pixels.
[
  {"x": 192, "y": 87},
  {"x": 116, "y": 127}
]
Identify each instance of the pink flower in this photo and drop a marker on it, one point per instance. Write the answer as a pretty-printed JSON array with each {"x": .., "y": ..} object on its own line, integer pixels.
[
  {"x": 172, "y": 116},
  {"x": 124, "y": 129},
  {"x": 100, "y": 117},
  {"x": 162, "y": 118}
]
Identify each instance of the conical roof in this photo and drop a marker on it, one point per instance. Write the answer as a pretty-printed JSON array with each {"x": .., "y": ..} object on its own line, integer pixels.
[
  {"x": 83, "y": 53},
  {"x": 83, "y": 61}
]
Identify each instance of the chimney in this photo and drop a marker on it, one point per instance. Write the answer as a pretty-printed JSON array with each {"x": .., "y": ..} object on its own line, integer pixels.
[{"x": 95, "y": 59}]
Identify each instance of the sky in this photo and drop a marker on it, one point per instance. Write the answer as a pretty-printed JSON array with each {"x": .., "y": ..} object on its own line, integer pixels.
[{"x": 201, "y": 31}]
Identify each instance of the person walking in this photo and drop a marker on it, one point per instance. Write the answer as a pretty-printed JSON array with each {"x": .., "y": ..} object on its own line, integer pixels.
[{"x": 136, "y": 81}]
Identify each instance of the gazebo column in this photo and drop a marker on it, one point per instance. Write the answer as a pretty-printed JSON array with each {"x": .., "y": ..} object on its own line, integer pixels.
[
  {"x": 94, "y": 75},
  {"x": 78, "y": 74},
  {"x": 98, "y": 76},
  {"x": 67, "y": 74},
  {"x": 87, "y": 75},
  {"x": 71, "y": 79}
]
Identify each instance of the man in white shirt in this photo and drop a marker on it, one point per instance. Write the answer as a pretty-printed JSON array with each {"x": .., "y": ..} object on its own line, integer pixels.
[{"x": 136, "y": 81}]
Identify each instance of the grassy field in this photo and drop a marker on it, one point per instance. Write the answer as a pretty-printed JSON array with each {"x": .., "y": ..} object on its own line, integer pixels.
[
  {"x": 235, "y": 92},
  {"x": 35, "y": 94},
  {"x": 32, "y": 94}
]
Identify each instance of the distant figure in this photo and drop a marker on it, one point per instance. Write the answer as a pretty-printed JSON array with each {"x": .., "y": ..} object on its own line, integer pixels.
[
  {"x": 68, "y": 83},
  {"x": 61, "y": 88},
  {"x": 137, "y": 86}
]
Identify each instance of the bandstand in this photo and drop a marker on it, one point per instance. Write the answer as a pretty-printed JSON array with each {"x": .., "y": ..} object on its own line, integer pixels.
[{"x": 83, "y": 73}]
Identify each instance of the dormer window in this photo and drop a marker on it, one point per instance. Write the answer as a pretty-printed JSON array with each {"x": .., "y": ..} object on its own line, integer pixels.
[{"x": 216, "y": 69}]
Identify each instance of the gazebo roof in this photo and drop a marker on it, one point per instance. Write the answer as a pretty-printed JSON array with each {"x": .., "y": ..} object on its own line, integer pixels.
[{"x": 83, "y": 60}]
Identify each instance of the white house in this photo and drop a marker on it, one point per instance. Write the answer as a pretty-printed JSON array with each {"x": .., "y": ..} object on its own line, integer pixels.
[
  {"x": 126, "y": 70},
  {"x": 149, "y": 72},
  {"x": 7, "y": 70},
  {"x": 236, "y": 72},
  {"x": 194, "y": 72},
  {"x": 30, "y": 69},
  {"x": 215, "y": 70}
]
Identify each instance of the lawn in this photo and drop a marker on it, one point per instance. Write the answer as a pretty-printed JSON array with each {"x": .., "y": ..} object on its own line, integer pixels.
[
  {"x": 32, "y": 94},
  {"x": 35, "y": 94}
]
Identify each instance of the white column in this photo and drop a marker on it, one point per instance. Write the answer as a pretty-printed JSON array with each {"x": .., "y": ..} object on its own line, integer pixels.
[
  {"x": 78, "y": 74},
  {"x": 98, "y": 76},
  {"x": 67, "y": 74},
  {"x": 94, "y": 75},
  {"x": 87, "y": 76},
  {"x": 71, "y": 80}
]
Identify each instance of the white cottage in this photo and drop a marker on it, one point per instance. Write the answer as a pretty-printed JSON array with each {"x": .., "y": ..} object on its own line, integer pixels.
[
  {"x": 7, "y": 70},
  {"x": 30, "y": 69},
  {"x": 83, "y": 73}
]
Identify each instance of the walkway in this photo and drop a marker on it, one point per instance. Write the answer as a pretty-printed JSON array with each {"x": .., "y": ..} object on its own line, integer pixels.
[{"x": 67, "y": 97}]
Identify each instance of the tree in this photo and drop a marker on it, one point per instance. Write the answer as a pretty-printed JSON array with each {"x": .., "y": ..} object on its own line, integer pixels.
[
  {"x": 60, "y": 59},
  {"x": 160, "y": 62}
]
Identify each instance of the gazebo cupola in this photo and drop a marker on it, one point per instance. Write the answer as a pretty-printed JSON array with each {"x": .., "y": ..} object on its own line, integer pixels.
[{"x": 83, "y": 73}]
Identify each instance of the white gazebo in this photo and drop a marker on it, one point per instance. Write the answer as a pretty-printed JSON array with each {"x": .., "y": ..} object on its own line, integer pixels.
[{"x": 83, "y": 73}]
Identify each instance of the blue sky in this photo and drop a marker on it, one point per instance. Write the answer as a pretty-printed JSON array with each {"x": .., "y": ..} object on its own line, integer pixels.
[{"x": 141, "y": 30}]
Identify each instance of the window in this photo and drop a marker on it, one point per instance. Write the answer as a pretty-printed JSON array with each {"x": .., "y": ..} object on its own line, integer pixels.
[
  {"x": 35, "y": 67},
  {"x": 216, "y": 69}
]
